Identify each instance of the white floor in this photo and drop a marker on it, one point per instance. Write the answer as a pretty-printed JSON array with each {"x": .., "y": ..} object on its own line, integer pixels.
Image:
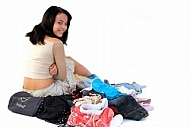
[{"x": 144, "y": 41}]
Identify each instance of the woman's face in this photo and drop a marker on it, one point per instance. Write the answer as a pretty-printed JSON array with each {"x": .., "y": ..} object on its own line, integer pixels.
[{"x": 60, "y": 24}]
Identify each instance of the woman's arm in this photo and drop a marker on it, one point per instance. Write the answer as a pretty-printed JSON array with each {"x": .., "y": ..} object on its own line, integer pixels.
[
  {"x": 79, "y": 68},
  {"x": 59, "y": 54},
  {"x": 53, "y": 69}
]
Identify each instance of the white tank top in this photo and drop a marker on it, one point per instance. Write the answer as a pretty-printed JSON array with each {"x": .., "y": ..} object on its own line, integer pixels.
[{"x": 38, "y": 60}]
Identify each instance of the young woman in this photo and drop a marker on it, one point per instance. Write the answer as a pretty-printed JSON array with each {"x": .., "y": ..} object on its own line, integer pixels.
[{"x": 48, "y": 71}]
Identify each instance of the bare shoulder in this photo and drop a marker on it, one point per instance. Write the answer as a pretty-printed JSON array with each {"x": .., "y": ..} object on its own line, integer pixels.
[
  {"x": 58, "y": 47},
  {"x": 52, "y": 39},
  {"x": 58, "y": 44}
]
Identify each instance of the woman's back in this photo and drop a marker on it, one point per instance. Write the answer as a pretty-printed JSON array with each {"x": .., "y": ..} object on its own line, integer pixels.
[{"x": 38, "y": 61}]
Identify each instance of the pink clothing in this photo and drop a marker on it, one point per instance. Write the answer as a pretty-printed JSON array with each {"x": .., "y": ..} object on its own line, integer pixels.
[{"x": 144, "y": 102}]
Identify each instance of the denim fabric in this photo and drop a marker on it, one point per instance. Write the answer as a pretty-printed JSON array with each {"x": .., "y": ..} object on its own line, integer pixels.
[{"x": 128, "y": 107}]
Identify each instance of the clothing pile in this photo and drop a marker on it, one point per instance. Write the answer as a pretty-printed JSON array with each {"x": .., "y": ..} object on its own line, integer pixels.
[{"x": 96, "y": 104}]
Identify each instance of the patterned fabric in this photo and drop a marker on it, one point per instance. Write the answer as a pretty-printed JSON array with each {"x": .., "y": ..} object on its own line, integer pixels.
[
  {"x": 90, "y": 120},
  {"x": 55, "y": 109}
]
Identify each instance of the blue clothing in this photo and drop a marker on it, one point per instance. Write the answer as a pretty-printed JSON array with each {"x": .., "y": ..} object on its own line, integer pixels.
[
  {"x": 138, "y": 88},
  {"x": 105, "y": 89}
]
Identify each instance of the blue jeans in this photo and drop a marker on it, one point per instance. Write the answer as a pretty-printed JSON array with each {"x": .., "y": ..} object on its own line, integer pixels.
[{"x": 129, "y": 108}]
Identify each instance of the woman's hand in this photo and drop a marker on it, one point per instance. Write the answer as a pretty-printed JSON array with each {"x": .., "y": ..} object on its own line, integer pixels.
[{"x": 53, "y": 70}]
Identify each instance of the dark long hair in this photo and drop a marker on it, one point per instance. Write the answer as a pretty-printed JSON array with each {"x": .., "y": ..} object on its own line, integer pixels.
[{"x": 46, "y": 26}]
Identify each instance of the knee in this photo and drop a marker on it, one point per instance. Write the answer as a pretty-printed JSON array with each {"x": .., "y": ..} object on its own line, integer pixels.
[{"x": 69, "y": 57}]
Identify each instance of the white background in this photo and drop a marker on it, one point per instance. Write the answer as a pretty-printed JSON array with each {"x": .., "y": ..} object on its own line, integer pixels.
[{"x": 146, "y": 41}]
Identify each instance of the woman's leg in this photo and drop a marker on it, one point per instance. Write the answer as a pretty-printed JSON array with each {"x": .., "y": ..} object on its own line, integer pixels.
[{"x": 80, "y": 69}]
